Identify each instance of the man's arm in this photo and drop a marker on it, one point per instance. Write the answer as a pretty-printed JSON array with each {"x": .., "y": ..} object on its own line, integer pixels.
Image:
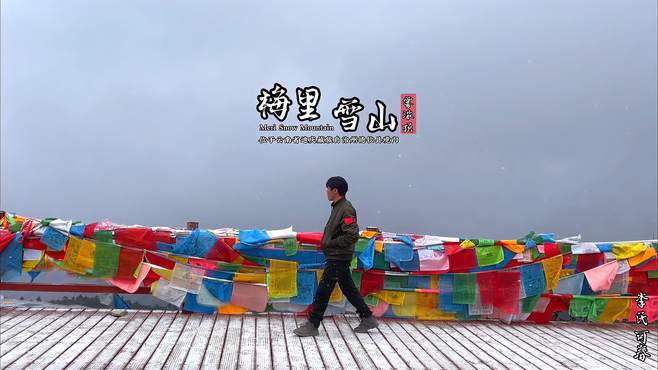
[{"x": 349, "y": 228}]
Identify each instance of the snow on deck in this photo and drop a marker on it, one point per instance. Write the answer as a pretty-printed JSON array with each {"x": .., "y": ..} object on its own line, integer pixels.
[{"x": 74, "y": 338}]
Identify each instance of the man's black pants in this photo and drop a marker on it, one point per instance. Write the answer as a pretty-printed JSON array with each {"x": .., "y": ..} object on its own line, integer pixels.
[{"x": 337, "y": 272}]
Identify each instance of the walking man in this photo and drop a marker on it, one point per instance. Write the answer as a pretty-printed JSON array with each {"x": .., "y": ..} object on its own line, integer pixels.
[{"x": 340, "y": 236}]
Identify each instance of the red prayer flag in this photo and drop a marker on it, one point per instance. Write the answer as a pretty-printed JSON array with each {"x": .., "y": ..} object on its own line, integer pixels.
[
  {"x": 589, "y": 261},
  {"x": 463, "y": 260},
  {"x": 557, "y": 303},
  {"x": 89, "y": 230},
  {"x": 507, "y": 293},
  {"x": 487, "y": 286},
  {"x": 371, "y": 282},
  {"x": 129, "y": 260},
  {"x": 313, "y": 238}
]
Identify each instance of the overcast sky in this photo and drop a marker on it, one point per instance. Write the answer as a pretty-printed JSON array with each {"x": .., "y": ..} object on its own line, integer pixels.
[{"x": 532, "y": 115}]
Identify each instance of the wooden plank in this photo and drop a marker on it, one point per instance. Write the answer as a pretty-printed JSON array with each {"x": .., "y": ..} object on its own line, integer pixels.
[
  {"x": 280, "y": 358},
  {"x": 18, "y": 322},
  {"x": 555, "y": 343},
  {"x": 293, "y": 344},
  {"x": 116, "y": 344},
  {"x": 16, "y": 347},
  {"x": 624, "y": 346},
  {"x": 341, "y": 348},
  {"x": 65, "y": 343},
  {"x": 164, "y": 348},
  {"x": 618, "y": 346},
  {"x": 146, "y": 350},
  {"x": 93, "y": 349},
  {"x": 83, "y": 342},
  {"x": 308, "y": 344},
  {"x": 530, "y": 344},
  {"x": 324, "y": 346},
  {"x": 178, "y": 353},
  {"x": 29, "y": 320},
  {"x": 392, "y": 345},
  {"x": 232, "y": 346},
  {"x": 7, "y": 313},
  {"x": 483, "y": 347},
  {"x": 598, "y": 355},
  {"x": 625, "y": 333},
  {"x": 199, "y": 347},
  {"x": 359, "y": 353},
  {"x": 129, "y": 349},
  {"x": 610, "y": 354},
  {"x": 247, "y": 356},
  {"x": 404, "y": 346},
  {"x": 9, "y": 316},
  {"x": 368, "y": 343},
  {"x": 22, "y": 337},
  {"x": 448, "y": 346},
  {"x": 423, "y": 348},
  {"x": 520, "y": 353},
  {"x": 263, "y": 342},
  {"x": 382, "y": 346},
  {"x": 28, "y": 357},
  {"x": 213, "y": 355}
]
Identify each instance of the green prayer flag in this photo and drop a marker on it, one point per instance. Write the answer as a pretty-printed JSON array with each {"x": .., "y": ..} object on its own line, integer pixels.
[
  {"x": 653, "y": 274},
  {"x": 259, "y": 260},
  {"x": 463, "y": 288},
  {"x": 380, "y": 263},
  {"x": 291, "y": 246},
  {"x": 564, "y": 248},
  {"x": 528, "y": 303},
  {"x": 354, "y": 263},
  {"x": 15, "y": 227},
  {"x": 361, "y": 245},
  {"x": 371, "y": 300},
  {"x": 580, "y": 306},
  {"x": 46, "y": 221},
  {"x": 356, "y": 276},
  {"x": 104, "y": 236},
  {"x": 597, "y": 309},
  {"x": 106, "y": 260},
  {"x": 394, "y": 281},
  {"x": 487, "y": 256},
  {"x": 485, "y": 242}
]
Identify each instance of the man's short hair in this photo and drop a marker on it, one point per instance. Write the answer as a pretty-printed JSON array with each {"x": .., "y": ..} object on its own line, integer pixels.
[{"x": 337, "y": 183}]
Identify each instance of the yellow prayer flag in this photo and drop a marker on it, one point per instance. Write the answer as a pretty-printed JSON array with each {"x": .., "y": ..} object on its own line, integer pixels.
[
  {"x": 552, "y": 271},
  {"x": 249, "y": 278},
  {"x": 408, "y": 306},
  {"x": 467, "y": 244},
  {"x": 567, "y": 272},
  {"x": 391, "y": 296},
  {"x": 616, "y": 308},
  {"x": 368, "y": 234},
  {"x": 379, "y": 246},
  {"x": 164, "y": 273},
  {"x": 627, "y": 250},
  {"x": 427, "y": 308},
  {"x": 79, "y": 255},
  {"x": 178, "y": 258},
  {"x": 644, "y": 256},
  {"x": 282, "y": 279}
]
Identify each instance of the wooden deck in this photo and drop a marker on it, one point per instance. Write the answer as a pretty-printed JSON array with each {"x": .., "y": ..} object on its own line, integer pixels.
[{"x": 38, "y": 338}]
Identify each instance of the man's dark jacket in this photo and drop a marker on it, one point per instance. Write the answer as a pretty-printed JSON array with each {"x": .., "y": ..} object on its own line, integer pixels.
[{"x": 341, "y": 232}]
